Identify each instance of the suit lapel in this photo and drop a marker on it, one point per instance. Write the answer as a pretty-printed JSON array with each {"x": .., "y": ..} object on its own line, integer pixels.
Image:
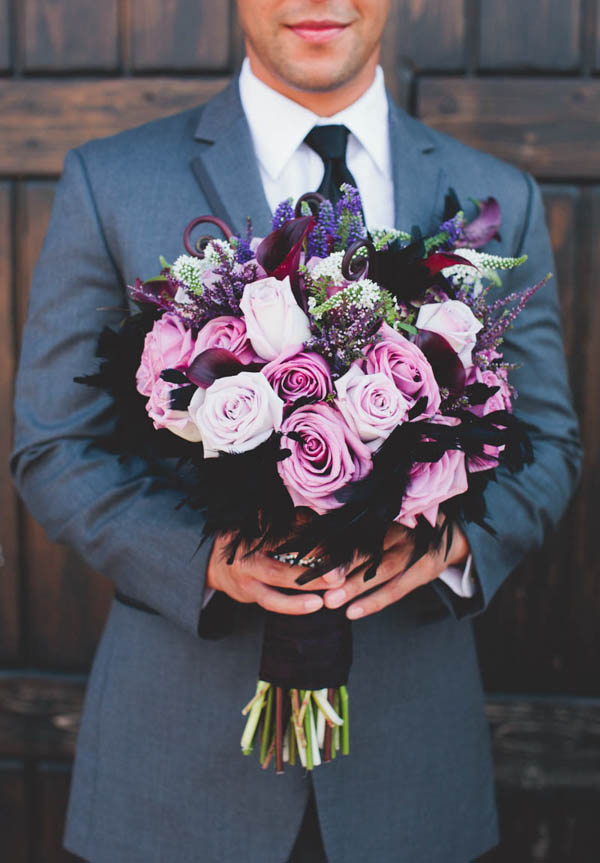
[
  {"x": 419, "y": 179},
  {"x": 225, "y": 165}
]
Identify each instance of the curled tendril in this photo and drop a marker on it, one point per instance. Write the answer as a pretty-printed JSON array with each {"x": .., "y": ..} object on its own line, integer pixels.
[
  {"x": 355, "y": 267},
  {"x": 197, "y": 250},
  {"x": 314, "y": 201}
]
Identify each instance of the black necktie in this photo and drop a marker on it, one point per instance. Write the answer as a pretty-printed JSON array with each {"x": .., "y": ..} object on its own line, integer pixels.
[{"x": 330, "y": 144}]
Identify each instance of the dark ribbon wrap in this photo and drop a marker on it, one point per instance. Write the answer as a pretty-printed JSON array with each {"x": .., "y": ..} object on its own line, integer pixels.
[{"x": 307, "y": 651}]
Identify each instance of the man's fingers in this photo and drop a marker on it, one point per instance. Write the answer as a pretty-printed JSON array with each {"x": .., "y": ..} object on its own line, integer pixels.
[
  {"x": 422, "y": 572},
  {"x": 270, "y": 571},
  {"x": 281, "y": 603},
  {"x": 393, "y": 562}
]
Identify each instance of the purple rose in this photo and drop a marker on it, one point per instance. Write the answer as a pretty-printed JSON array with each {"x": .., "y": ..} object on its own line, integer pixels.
[
  {"x": 430, "y": 484},
  {"x": 274, "y": 320},
  {"x": 160, "y": 411},
  {"x": 299, "y": 374},
  {"x": 236, "y": 413},
  {"x": 168, "y": 345},
  {"x": 328, "y": 457},
  {"x": 229, "y": 332},
  {"x": 372, "y": 405},
  {"x": 406, "y": 364},
  {"x": 499, "y": 401}
]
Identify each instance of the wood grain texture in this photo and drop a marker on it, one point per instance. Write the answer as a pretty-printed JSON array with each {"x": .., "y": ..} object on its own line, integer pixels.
[
  {"x": 180, "y": 34},
  {"x": 69, "y": 35},
  {"x": 40, "y": 120},
  {"x": 424, "y": 35},
  {"x": 541, "y": 35},
  {"x": 5, "y": 50},
  {"x": 53, "y": 781},
  {"x": 67, "y": 601},
  {"x": 13, "y": 829},
  {"x": 549, "y": 126},
  {"x": 9, "y": 539}
]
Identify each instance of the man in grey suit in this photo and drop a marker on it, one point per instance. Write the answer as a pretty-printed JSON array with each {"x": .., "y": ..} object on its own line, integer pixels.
[{"x": 158, "y": 775}]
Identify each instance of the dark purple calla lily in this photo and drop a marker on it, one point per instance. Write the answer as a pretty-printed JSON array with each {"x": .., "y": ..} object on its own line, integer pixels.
[
  {"x": 211, "y": 364},
  {"x": 157, "y": 291},
  {"x": 446, "y": 364},
  {"x": 279, "y": 252},
  {"x": 438, "y": 261},
  {"x": 484, "y": 227}
]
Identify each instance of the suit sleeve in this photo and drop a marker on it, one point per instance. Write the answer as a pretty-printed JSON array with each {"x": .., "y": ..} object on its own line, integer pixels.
[
  {"x": 122, "y": 520},
  {"x": 524, "y": 507}
]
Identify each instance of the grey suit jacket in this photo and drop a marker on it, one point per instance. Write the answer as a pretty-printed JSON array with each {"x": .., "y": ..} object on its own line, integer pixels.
[{"x": 158, "y": 774}]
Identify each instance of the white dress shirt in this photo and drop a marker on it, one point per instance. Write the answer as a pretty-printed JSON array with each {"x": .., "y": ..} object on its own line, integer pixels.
[{"x": 289, "y": 168}]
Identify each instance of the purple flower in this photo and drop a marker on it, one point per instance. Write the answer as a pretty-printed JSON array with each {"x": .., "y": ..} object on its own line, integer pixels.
[
  {"x": 407, "y": 366},
  {"x": 299, "y": 374},
  {"x": 430, "y": 484},
  {"x": 328, "y": 456},
  {"x": 371, "y": 404},
  {"x": 228, "y": 332}
]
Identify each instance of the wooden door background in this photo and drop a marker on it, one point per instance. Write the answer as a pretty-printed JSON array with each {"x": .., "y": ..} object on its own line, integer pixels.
[{"x": 518, "y": 78}]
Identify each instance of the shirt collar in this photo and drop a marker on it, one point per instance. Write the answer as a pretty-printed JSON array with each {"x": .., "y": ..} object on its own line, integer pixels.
[{"x": 278, "y": 125}]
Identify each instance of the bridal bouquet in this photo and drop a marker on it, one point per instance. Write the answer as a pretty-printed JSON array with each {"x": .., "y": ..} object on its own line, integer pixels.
[{"x": 318, "y": 385}]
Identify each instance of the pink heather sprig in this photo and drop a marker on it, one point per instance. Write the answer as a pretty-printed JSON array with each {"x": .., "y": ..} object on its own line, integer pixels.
[
  {"x": 491, "y": 336},
  {"x": 343, "y": 332}
]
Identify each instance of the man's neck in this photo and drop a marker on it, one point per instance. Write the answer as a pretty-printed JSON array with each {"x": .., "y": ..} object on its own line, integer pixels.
[{"x": 326, "y": 103}]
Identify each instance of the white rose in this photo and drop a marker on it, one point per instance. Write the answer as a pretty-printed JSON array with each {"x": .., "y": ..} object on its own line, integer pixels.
[
  {"x": 236, "y": 414},
  {"x": 274, "y": 320},
  {"x": 372, "y": 405},
  {"x": 455, "y": 322}
]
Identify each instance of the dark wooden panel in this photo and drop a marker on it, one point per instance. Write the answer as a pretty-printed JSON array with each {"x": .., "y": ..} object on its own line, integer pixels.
[
  {"x": 550, "y": 127},
  {"x": 425, "y": 35},
  {"x": 67, "y": 601},
  {"x": 13, "y": 830},
  {"x": 5, "y": 52},
  {"x": 543, "y": 34},
  {"x": 39, "y": 715},
  {"x": 69, "y": 34},
  {"x": 9, "y": 591},
  {"x": 181, "y": 34},
  {"x": 53, "y": 782},
  {"x": 40, "y": 120}
]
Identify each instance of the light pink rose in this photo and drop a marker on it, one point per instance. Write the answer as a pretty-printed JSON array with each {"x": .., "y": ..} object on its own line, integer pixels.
[
  {"x": 299, "y": 374},
  {"x": 430, "y": 484},
  {"x": 228, "y": 332},
  {"x": 329, "y": 456},
  {"x": 168, "y": 345},
  {"x": 163, "y": 416},
  {"x": 236, "y": 413},
  {"x": 406, "y": 364},
  {"x": 371, "y": 404},
  {"x": 455, "y": 322},
  {"x": 499, "y": 401},
  {"x": 274, "y": 320}
]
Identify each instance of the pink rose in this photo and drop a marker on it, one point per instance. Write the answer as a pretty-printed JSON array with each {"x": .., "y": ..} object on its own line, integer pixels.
[
  {"x": 299, "y": 374},
  {"x": 499, "y": 401},
  {"x": 229, "y": 332},
  {"x": 168, "y": 345},
  {"x": 236, "y": 413},
  {"x": 455, "y": 322},
  {"x": 430, "y": 484},
  {"x": 160, "y": 411},
  {"x": 406, "y": 364},
  {"x": 329, "y": 456},
  {"x": 274, "y": 320},
  {"x": 371, "y": 404}
]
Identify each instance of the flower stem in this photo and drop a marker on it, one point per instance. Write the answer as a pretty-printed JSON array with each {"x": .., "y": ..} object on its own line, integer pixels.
[
  {"x": 279, "y": 729},
  {"x": 345, "y": 717},
  {"x": 266, "y": 734},
  {"x": 308, "y": 733}
]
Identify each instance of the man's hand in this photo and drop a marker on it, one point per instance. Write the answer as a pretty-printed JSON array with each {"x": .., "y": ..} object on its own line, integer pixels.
[
  {"x": 255, "y": 578},
  {"x": 391, "y": 575}
]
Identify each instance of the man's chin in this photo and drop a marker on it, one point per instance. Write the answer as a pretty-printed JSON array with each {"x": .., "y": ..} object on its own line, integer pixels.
[{"x": 315, "y": 77}]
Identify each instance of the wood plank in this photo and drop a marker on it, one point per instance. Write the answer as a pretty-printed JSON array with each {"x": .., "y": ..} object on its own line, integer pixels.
[
  {"x": 69, "y": 35},
  {"x": 549, "y": 126},
  {"x": 181, "y": 34},
  {"x": 527, "y": 615},
  {"x": 53, "y": 782},
  {"x": 5, "y": 50},
  {"x": 13, "y": 826},
  {"x": 67, "y": 601},
  {"x": 424, "y": 36},
  {"x": 40, "y": 120},
  {"x": 547, "y": 37},
  {"x": 9, "y": 539},
  {"x": 39, "y": 715}
]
